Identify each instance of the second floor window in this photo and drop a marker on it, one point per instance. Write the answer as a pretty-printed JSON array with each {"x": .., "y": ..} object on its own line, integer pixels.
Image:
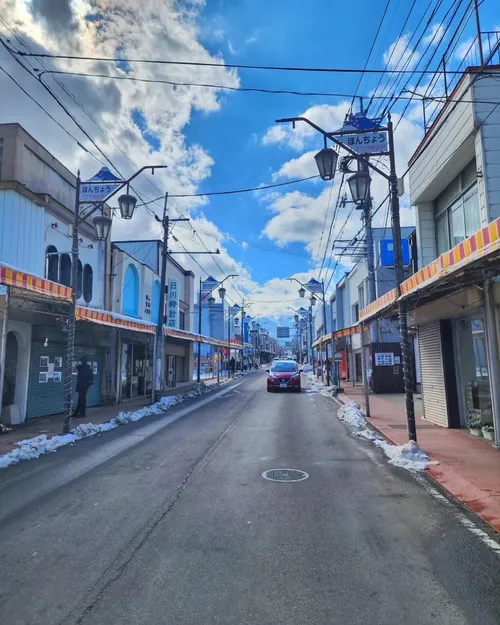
[
  {"x": 182, "y": 323},
  {"x": 456, "y": 210}
]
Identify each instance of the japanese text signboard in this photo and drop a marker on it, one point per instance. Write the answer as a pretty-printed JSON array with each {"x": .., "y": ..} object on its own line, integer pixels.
[
  {"x": 99, "y": 186},
  {"x": 366, "y": 143},
  {"x": 173, "y": 304}
]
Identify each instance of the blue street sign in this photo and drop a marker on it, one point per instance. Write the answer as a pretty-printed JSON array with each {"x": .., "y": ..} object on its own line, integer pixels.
[{"x": 387, "y": 253}]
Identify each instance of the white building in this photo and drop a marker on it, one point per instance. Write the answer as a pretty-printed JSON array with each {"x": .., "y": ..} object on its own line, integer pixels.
[
  {"x": 37, "y": 198},
  {"x": 454, "y": 180}
]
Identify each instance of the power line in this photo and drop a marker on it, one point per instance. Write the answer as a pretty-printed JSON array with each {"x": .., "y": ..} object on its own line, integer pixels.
[
  {"x": 394, "y": 46},
  {"x": 334, "y": 217},
  {"x": 338, "y": 70},
  {"x": 370, "y": 52},
  {"x": 234, "y": 191},
  {"x": 158, "y": 81}
]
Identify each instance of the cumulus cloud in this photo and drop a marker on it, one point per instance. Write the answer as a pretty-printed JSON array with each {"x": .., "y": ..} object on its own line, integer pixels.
[
  {"x": 300, "y": 167},
  {"x": 329, "y": 117},
  {"x": 434, "y": 34},
  {"x": 400, "y": 55}
]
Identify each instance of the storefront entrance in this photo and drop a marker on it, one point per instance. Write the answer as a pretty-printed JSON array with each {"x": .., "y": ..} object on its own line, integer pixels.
[
  {"x": 136, "y": 370},
  {"x": 472, "y": 371}
]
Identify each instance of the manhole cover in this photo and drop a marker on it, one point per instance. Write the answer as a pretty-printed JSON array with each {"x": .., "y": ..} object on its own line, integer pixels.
[{"x": 285, "y": 475}]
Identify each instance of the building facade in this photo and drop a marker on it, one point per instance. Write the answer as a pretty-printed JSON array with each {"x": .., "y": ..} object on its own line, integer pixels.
[{"x": 118, "y": 291}]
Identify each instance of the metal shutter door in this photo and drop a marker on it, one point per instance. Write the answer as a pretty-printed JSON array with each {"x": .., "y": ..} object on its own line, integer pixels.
[
  {"x": 431, "y": 365},
  {"x": 48, "y": 398}
]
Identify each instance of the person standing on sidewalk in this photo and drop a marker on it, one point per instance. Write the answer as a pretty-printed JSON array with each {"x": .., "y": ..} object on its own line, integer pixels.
[
  {"x": 84, "y": 380},
  {"x": 232, "y": 365}
]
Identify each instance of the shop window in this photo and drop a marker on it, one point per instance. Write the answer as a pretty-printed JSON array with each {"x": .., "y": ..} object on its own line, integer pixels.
[
  {"x": 457, "y": 211},
  {"x": 79, "y": 279},
  {"x": 130, "y": 299},
  {"x": 88, "y": 280},
  {"x": 156, "y": 301},
  {"x": 65, "y": 270},
  {"x": 51, "y": 263}
]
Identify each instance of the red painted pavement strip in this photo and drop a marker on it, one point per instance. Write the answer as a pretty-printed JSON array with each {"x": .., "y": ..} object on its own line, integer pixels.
[{"x": 468, "y": 468}]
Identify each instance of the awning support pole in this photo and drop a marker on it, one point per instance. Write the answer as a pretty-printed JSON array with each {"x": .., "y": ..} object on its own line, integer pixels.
[{"x": 492, "y": 355}]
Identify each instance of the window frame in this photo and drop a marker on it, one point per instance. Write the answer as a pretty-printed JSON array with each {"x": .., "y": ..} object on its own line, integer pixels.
[
  {"x": 88, "y": 277},
  {"x": 448, "y": 208}
]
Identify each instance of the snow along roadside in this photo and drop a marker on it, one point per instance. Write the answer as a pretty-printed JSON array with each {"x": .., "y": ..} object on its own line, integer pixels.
[
  {"x": 32, "y": 448},
  {"x": 409, "y": 456}
]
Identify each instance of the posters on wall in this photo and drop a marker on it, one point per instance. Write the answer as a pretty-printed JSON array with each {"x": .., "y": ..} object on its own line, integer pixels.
[{"x": 50, "y": 372}]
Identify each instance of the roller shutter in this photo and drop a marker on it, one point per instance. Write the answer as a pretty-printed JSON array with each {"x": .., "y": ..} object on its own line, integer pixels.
[
  {"x": 431, "y": 366},
  {"x": 46, "y": 398}
]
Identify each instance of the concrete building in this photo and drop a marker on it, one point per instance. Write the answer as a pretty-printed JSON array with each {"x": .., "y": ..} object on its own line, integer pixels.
[
  {"x": 454, "y": 179},
  {"x": 382, "y": 339}
]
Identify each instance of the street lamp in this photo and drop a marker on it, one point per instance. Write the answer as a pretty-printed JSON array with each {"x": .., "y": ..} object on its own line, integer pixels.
[
  {"x": 296, "y": 318},
  {"x": 359, "y": 193},
  {"x": 302, "y": 292},
  {"x": 127, "y": 203},
  {"x": 211, "y": 301},
  {"x": 312, "y": 299},
  {"x": 326, "y": 160},
  {"x": 359, "y": 184},
  {"x": 102, "y": 226}
]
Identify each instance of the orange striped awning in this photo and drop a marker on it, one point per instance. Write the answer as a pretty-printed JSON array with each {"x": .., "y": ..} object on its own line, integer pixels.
[
  {"x": 346, "y": 332},
  {"x": 35, "y": 284},
  {"x": 478, "y": 246},
  {"x": 107, "y": 319},
  {"x": 378, "y": 306}
]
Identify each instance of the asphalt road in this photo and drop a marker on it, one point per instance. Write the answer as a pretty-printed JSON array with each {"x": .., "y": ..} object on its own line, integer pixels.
[{"x": 161, "y": 523}]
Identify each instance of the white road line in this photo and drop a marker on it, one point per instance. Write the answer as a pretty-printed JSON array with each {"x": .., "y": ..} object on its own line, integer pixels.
[{"x": 460, "y": 516}]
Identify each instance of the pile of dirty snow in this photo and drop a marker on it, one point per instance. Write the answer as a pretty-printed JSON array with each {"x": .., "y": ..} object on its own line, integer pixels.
[
  {"x": 32, "y": 448},
  {"x": 409, "y": 456}
]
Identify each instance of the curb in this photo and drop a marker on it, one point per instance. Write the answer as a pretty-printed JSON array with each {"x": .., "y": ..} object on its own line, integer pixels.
[{"x": 433, "y": 480}]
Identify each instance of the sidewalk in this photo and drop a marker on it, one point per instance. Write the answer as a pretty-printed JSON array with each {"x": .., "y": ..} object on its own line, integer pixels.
[
  {"x": 97, "y": 415},
  {"x": 468, "y": 468}
]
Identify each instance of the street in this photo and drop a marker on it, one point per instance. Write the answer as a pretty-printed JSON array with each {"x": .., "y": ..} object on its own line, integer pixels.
[{"x": 178, "y": 527}]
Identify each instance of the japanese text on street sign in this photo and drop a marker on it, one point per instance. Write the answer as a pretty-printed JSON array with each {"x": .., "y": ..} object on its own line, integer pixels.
[
  {"x": 314, "y": 286},
  {"x": 209, "y": 285},
  {"x": 366, "y": 143},
  {"x": 173, "y": 304},
  {"x": 95, "y": 192}
]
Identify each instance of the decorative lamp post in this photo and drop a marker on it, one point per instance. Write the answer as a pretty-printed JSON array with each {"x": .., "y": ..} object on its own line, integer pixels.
[
  {"x": 102, "y": 226},
  {"x": 126, "y": 203},
  {"x": 359, "y": 184},
  {"x": 211, "y": 301},
  {"x": 326, "y": 160},
  {"x": 302, "y": 292}
]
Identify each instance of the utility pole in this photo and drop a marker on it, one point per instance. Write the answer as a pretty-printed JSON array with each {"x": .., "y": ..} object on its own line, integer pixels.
[
  {"x": 398, "y": 268},
  {"x": 159, "y": 339},
  {"x": 198, "y": 366}
]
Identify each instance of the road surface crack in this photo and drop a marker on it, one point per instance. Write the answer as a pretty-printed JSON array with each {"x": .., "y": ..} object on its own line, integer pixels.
[{"x": 113, "y": 572}]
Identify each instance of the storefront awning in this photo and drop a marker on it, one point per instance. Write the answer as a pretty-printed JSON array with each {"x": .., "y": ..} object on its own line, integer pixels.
[
  {"x": 114, "y": 320},
  {"x": 10, "y": 276},
  {"x": 322, "y": 339},
  {"x": 326, "y": 338},
  {"x": 483, "y": 246},
  {"x": 379, "y": 306}
]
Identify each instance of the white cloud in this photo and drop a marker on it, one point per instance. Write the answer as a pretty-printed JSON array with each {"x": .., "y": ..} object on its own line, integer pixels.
[
  {"x": 300, "y": 167},
  {"x": 434, "y": 35},
  {"x": 400, "y": 55},
  {"x": 329, "y": 117}
]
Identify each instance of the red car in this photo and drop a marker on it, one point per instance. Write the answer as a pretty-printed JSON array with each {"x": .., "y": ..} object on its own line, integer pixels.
[{"x": 284, "y": 375}]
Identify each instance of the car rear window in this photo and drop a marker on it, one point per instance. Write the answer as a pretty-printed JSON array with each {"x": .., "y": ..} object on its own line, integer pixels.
[{"x": 284, "y": 367}]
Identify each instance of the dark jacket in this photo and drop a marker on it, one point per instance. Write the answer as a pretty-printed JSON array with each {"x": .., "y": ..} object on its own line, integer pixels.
[{"x": 84, "y": 377}]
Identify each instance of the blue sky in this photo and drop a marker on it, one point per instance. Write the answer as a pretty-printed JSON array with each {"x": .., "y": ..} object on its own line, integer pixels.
[
  {"x": 281, "y": 33},
  {"x": 213, "y": 140}
]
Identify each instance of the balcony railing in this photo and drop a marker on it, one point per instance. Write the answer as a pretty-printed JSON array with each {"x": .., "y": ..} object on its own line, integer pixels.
[{"x": 453, "y": 65}]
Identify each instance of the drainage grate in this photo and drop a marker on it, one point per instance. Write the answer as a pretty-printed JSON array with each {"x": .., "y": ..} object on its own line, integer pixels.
[{"x": 285, "y": 475}]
